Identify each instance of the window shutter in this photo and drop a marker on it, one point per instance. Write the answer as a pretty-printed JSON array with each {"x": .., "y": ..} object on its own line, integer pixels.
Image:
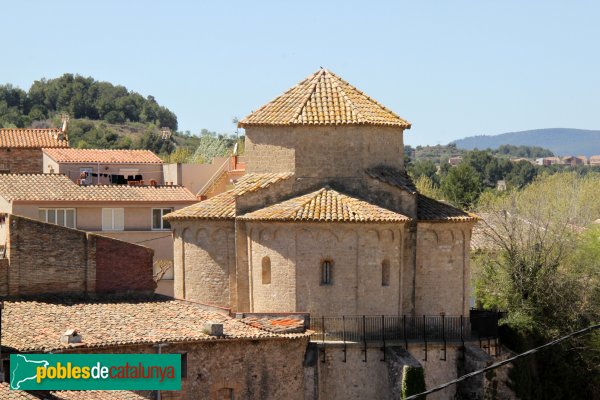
[
  {"x": 119, "y": 219},
  {"x": 107, "y": 219}
]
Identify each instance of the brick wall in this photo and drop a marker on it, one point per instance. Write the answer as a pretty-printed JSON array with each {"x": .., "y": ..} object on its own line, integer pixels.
[
  {"x": 121, "y": 267},
  {"x": 22, "y": 161},
  {"x": 45, "y": 258}
]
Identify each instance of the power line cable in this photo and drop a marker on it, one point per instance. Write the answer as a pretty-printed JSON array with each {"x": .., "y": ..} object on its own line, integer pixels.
[{"x": 501, "y": 363}]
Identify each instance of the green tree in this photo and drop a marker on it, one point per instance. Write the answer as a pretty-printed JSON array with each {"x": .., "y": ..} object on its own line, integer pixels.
[
  {"x": 424, "y": 168},
  {"x": 542, "y": 267},
  {"x": 462, "y": 185},
  {"x": 428, "y": 188}
]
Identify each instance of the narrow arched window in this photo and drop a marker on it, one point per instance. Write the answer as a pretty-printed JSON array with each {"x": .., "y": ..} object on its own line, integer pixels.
[
  {"x": 326, "y": 272},
  {"x": 385, "y": 273},
  {"x": 266, "y": 270}
]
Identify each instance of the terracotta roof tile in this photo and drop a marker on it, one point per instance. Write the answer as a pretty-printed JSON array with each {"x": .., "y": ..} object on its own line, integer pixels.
[
  {"x": 324, "y": 99},
  {"x": 32, "y": 138},
  {"x": 57, "y": 187},
  {"x": 222, "y": 206},
  {"x": 325, "y": 205},
  {"x": 277, "y": 324},
  {"x": 103, "y": 156},
  {"x": 7, "y": 394},
  {"x": 431, "y": 210},
  {"x": 37, "y": 325},
  {"x": 393, "y": 177}
]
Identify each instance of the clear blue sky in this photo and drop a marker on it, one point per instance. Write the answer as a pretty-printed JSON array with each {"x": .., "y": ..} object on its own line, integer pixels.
[{"x": 452, "y": 68}]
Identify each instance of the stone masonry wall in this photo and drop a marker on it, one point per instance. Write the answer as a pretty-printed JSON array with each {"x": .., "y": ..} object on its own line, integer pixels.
[
  {"x": 437, "y": 369},
  {"x": 327, "y": 151},
  {"x": 296, "y": 252},
  {"x": 22, "y": 161},
  {"x": 442, "y": 269},
  {"x": 46, "y": 258},
  {"x": 266, "y": 369},
  {"x": 204, "y": 261}
]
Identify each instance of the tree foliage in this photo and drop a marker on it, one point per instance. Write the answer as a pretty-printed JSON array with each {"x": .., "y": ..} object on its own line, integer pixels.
[
  {"x": 213, "y": 145},
  {"x": 462, "y": 185},
  {"x": 542, "y": 267},
  {"x": 80, "y": 97}
]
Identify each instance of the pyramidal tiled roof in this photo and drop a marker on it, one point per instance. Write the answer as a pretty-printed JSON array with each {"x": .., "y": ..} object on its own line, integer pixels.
[
  {"x": 325, "y": 205},
  {"x": 324, "y": 99},
  {"x": 32, "y": 138},
  {"x": 222, "y": 206}
]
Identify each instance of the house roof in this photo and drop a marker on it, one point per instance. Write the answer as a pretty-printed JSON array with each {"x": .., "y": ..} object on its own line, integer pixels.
[
  {"x": 103, "y": 156},
  {"x": 324, "y": 99},
  {"x": 430, "y": 210},
  {"x": 325, "y": 205},
  {"x": 7, "y": 394},
  {"x": 32, "y": 138},
  {"x": 222, "y": 206},
  {"x": 393, "y": 177},
  {"x": 36, "y": 325},
  {"x": 57, "y": 187}
]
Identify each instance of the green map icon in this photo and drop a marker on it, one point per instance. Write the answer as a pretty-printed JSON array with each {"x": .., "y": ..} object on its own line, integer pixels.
[{"x": 24, "y": 370}]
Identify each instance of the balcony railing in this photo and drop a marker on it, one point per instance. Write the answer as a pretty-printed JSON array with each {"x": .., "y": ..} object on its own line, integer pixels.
[
  {"x": 404, "y": 328},
  {"x": 375, "y": 328}
]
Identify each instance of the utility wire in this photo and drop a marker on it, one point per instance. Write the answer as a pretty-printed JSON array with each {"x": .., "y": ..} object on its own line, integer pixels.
[
  {"x": 156, "y": 238},
  {"x": 501, "y": 363}
]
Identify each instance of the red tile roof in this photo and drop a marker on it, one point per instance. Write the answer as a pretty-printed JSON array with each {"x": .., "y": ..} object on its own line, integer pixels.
[
  {"x": 276, "y": 324},
  {"x": 37, "y": 325},
  {"x": 7, "y": 394},
  {"x": 325, "y": 205},
  {"x": 57, "y": 187},
  {"x": 103, "y": 156},
  {"x": 32, "y": 138},
  {"x": 324, "y": 99}
]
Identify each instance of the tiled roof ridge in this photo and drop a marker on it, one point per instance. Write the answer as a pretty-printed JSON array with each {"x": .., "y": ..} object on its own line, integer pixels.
[
  {"x": 339, "y": 80},
  {"x": 310, "y": 93},
  {"x": 33, "y": 129}
]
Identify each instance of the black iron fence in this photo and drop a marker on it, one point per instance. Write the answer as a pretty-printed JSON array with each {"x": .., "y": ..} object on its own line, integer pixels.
[
  {"x": 371, "y": 328},
  {"x": 407, "y": 328}
]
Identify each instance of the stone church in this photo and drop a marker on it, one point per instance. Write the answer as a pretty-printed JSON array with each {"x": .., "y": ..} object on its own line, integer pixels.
[{"x": 326, "y": 220}]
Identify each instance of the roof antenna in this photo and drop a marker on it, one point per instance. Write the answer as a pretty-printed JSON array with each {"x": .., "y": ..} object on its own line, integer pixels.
[{"x": 64, "y": 117}]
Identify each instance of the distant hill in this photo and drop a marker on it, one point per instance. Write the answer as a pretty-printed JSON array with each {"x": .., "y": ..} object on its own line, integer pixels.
[{"x": 561, "y": 141}]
